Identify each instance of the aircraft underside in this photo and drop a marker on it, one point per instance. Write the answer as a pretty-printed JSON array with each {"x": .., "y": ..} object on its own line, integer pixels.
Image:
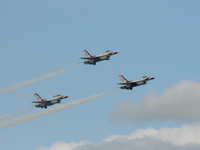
[
  {"x": 130, "y": 86},
  {"x": 44, "y": 105},
  {"x": 94, "y": 61},
  {"x": 127, "y": 88},
  {"x": 90, "y": 63}
]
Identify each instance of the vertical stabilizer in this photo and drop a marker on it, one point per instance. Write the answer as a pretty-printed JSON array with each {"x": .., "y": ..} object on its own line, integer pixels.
[
  {"x": 38, "y": 97},
  {"x": 123, "y": 79},
  {"x": 87, "y": 54}
]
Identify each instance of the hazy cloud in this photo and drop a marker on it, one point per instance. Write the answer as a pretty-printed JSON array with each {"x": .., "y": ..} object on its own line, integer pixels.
[
  {"x": 186, "y": 137},
  {"x": 179, "y": 102}
]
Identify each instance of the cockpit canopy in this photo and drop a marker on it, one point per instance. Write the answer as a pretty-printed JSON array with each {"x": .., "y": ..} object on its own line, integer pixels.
[
  {"x": 108, "y": 51},
  {"x": 145, "y": 77},
  {"x": 57, "y": 95}
]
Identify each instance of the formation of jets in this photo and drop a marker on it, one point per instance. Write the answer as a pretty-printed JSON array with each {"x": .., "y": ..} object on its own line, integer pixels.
[{"x": 92, "y": 60}]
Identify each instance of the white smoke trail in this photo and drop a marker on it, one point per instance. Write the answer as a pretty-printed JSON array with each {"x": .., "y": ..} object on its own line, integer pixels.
[
  {"x": 13, "y": 114},
  {"x": 50, "y": 111},
  {"x": 32, "y": 81}
]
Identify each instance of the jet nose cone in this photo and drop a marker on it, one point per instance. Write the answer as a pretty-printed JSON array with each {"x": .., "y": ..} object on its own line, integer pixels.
[
  {"x": 152, "y": 78},
  {"x": 66, "y": 96},
  {"x": 115, "y": 52}
]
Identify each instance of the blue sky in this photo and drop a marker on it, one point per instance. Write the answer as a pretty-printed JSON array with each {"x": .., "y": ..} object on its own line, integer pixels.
[{"x": 154, "y": 38}]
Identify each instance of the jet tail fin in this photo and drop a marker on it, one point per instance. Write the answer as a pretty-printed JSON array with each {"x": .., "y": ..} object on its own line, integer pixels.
[
  {"x": 37, "y": 96},
  {"x": 123, "y": 79},
  {"x": 87, "y": 54}
]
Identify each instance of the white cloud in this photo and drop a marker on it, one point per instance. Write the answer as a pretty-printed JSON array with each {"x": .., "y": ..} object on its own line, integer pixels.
[
  {"x": 65, "y": 146},
  {"x": 179, "y": 102},
  {"x": 186, "y": 137}
]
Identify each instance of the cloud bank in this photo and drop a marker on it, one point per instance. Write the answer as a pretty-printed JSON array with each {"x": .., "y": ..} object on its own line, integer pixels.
[
  {"x": 186, "y": 137},
  {"x": 180, "y": 102}
]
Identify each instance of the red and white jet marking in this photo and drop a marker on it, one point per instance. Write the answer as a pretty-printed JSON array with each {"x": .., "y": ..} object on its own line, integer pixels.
[
  {"x": 43, "y": 103},
  {"x": 130, "y": 84},
  {"x": 93, "y": 59}
]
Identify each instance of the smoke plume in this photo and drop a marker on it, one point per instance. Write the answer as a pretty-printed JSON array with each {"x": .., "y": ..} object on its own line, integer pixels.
[
  {"x": 51, "y": 110},
  {"x": 13, "y": 114},
  {"x": 32, "y": 81}
]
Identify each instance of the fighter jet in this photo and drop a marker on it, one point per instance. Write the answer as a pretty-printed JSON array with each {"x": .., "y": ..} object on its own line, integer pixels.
[
  {"x": 43, "y": 103},
  {"x": 130, "y": 84},
  {"x": 93, "y": 59}
]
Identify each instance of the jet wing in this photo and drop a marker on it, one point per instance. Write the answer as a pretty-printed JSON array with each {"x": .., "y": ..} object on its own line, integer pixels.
[
  {"x": 128, "y": 83},
  {"x": 47, "y": 101},
  {"x": 39, "y": 101},
  {"x": 122, "y": 83},
  {"x": 89, "y": 57}
]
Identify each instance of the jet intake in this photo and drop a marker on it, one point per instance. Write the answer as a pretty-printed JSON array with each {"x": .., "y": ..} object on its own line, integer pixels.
[
  {"x": 104, "y": 57},
  {"x": 141, "y": 82},
  {"x": 86, "y": 62},
  {"x": 123, "y": 87},
  {"x": 54, "y": 101}
]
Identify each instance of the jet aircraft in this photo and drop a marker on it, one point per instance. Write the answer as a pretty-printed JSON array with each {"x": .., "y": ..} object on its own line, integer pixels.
[
  {"x": 93, "y": 59},
  {"x": 130, "y": 84},
  {"x": 43, "y": 103}
]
